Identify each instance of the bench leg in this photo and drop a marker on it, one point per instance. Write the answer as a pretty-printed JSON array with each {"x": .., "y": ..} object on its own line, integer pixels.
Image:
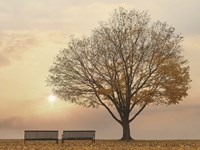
[{"x": 93, "y": 140}]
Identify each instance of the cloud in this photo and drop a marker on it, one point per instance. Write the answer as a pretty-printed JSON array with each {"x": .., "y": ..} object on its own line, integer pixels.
[
  {"x": 80, "y": 15},
  {"x": 4, "y": 61},
  {"x": 12, "y": 123},
  {"x": 183, "y": 15},
  {"x": 49, "y": 15},
  {"x": 14, "y": 45},
  {"x": 173, "y": 122}
]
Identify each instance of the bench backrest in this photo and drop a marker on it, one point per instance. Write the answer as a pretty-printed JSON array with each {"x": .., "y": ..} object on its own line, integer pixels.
[
  {"x": 79, "y": 134},
  {"x": 40, "y": 134}
]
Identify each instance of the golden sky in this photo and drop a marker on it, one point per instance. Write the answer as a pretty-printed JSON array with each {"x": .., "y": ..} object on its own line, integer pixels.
[{"x": 33, "y": 31}]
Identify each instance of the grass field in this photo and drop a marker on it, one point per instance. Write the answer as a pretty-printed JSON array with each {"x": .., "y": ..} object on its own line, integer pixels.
[{"x": 101, "y": 145}]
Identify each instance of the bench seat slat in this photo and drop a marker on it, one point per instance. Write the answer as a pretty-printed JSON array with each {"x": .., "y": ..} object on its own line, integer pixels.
[
  {"x": 40, "y": 135},
  {"x": 78, "y": 135}
]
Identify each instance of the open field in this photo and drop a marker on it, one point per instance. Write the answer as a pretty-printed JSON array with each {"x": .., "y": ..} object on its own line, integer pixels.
[{"x": 101, "y": 145}]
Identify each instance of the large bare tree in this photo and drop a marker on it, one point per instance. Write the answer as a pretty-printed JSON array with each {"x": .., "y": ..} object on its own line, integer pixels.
[{"x": 125, "y": 65}]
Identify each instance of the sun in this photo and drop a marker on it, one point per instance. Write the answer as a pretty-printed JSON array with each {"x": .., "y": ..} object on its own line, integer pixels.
[{"x": 51, "y": 98}]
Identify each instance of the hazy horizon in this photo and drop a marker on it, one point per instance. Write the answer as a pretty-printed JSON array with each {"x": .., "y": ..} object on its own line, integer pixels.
[{"x": 33, "y": 32}]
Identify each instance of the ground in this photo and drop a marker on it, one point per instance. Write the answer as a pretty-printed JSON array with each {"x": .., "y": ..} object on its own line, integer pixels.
[{"x": 101, "y": 145}]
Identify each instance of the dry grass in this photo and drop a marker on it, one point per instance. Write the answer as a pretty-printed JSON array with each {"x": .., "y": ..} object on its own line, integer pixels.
[{"x": 101, "y": 145}]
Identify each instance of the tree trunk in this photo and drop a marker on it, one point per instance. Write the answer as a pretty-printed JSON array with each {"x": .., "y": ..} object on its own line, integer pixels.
[{"x": 126, "y": 131}]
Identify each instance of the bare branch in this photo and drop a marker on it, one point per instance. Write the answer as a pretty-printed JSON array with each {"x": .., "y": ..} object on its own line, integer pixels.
[{"x": 140, "y": 110}]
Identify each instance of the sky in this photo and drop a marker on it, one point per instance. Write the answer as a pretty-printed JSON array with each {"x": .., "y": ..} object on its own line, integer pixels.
[{"x": 32, "y": 32}]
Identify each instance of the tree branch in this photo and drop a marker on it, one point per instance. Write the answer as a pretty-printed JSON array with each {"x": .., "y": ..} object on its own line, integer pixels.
[{"x": 140, "y": 110}]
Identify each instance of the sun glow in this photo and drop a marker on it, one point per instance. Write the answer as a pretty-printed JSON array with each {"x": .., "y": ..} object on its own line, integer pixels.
[{"x": 51, "y": 98}]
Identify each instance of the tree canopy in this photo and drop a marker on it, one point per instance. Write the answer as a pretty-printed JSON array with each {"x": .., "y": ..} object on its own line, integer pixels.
[{"x": 126, "y": 62}]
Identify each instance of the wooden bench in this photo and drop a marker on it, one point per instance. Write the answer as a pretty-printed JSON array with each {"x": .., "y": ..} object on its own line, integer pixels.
[
  {"x": 41, "y": 135},
  {"x": 78, "y": 135}
]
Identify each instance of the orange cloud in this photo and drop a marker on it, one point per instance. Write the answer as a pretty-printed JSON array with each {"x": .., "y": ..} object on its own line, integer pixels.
[
  {"x": 11, "y": 123},
  {"x": 4, "y": 61},
  {"x": 13, "y": 45}
]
